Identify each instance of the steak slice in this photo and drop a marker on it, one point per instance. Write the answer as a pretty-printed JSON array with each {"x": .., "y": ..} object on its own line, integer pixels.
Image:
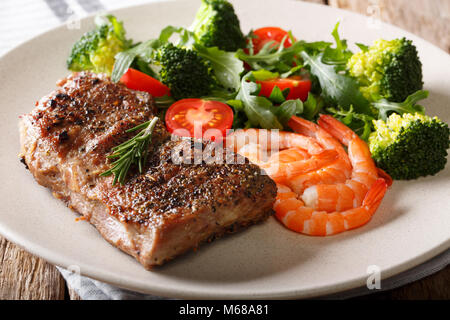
[{"x": 178, "y": 202}]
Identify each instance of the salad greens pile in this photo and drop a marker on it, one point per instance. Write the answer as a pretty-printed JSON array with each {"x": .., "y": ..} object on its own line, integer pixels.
[{"x": 214, "y": 60}]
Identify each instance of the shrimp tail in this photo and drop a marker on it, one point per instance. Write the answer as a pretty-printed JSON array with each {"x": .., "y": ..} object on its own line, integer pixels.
[
  {"x": 383, "y": 174},
  {"x": 374, "y": 196},
  {"x": 336, "y": 128}
]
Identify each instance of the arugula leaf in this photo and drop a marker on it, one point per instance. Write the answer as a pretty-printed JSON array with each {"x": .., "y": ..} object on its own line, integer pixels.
[
  {"x": 362, "y": 46},
  {"x": 240, "y": 119},
  {"x": 145, "y": 67},
  {"x": 408, "y": 106},
  {"x": 263, "y": 74},
  {"x": 186, "y": 37},
  {"x": 337, "y": 88},
  {"x": 337, "y": 56},
  {"x": 259, "y": 110},
  {"x": 292, "y": 71},
  {"x": 270, "y": 57},
  {"x": 252, "y": 110},
  {"x": 312, "y": 106},
  {"x": 361, "y": 124},
  {"x": 314, "y": 47},
  {"x": 226, "y": 66},
  {"x": 124, "y": 59},
  {"x": 144, "y": 51},
  {"x": 277, "y": 96},
  {"x": 288, "y": 109},
  {"x": 275, "y": 57}
]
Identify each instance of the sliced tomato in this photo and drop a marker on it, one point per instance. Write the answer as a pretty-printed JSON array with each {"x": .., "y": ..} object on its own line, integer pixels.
[
  {"x": 299, "y": 88},
  {"x": 137, "y": 80},
  {"x": 266, "y": 34},
  {"x": 199, "y": 118}
]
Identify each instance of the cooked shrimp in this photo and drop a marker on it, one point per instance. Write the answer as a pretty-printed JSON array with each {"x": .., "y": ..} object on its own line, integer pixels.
[
  {"x": 261, "y": 147},
  {"x": 279, "y": 170},
  {"x": 282, "y": 170},
  {"x": 272, "y": 140},
  {"x": 364, "y": 169},
  {"x": 322, "y": 190},
  {"x": 293, "y": 213},
  {"x": 254, "y": 153},
  {"x": 338, "y": 171},
  {"x": 310, "y": 129},
  {"x": 343, "y": 196}
]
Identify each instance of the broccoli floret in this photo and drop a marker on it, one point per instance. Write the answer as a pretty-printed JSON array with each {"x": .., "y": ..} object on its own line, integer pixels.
[
  {"x": 388, "y": 69},
  {"x": 96, "y": 49},
  {"x": 186, "y": 73},
  {"x": 216, "y": 25},
  {"x": 410, "y": 146}
]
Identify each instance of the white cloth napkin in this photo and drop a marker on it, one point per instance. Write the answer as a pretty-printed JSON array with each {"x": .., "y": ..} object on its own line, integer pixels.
[{"x": 21, "y": 20}]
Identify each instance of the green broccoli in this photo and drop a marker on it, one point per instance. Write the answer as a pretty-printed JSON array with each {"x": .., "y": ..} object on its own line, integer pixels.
[
  {"x": 388, "y": 69},
  {"x": 97, "y": 48},
  {"x": 216, "y": 25},
  {"x": 186, "y": 73},
  {"x": 409, "y": 146}
]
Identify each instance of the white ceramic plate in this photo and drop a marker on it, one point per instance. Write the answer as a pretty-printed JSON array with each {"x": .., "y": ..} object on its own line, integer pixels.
[{"x": 266, "y": 261}]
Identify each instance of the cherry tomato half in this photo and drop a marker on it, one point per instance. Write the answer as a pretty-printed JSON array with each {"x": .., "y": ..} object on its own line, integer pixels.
[
  {"x": 299, "y": 88},
  {"x": 266, "y": 34},
  {"x": 136, "y": 80},
  {"x": 199, "y": 118}
]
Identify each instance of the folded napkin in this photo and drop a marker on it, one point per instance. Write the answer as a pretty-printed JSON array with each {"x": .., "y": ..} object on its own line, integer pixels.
[{"x": 21, "y": 20}]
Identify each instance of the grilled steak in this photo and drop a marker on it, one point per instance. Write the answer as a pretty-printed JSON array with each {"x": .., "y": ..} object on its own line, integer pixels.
[{"x": 172, "y": 207}]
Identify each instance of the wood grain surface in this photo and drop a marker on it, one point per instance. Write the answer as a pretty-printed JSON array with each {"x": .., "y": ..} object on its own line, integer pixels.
[
  {"x": 24, "y": 276},
  {"x": 429, "y": 19}
]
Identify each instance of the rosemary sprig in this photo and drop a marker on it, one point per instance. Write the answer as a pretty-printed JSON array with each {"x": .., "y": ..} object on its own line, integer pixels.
[{"x": 131, "y": 152}]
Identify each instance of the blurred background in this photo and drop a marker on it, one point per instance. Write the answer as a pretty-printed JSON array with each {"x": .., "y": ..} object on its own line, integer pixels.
[
  {"x": 23, "y": 19},
  {"x": 24, "y": 276}
]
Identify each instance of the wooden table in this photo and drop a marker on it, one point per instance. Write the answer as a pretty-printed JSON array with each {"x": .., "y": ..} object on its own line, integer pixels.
[{"x": 24, "y": 276}]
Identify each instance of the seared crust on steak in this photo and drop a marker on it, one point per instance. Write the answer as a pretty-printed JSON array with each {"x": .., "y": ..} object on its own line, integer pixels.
[{"x": 178, "y": 202}]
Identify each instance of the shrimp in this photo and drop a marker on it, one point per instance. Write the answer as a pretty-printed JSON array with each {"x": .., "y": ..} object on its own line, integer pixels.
[
  {"x": 278, "y": 170},
  {"x": 322, "y": 190},
  {"x": 272, "y": 140},
  {"x": 293, "y": 213},
  {"x": 338, "y": 171},
  {"x": 255, "y": 143},
  {"x": 291, "y": 162},
  {"x": 348, "y": 194}
]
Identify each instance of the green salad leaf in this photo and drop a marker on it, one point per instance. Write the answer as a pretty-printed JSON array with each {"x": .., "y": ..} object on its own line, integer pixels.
[
  {"x": 288, "y": 109},
  {"x": 361, "y": 124},
  {"x": 142, "y": 53},
  {"x": 408, "y": 106},
  {"x": 337, "y": 88},
  {"x": 270, "y": 57},
  {"x": 252, "y": 110},
  {"x": 226, "y": 66},
  {"x": 277, "y": 58},
  {"x": 125, "y": 59},
  {"x": 337, "y": 56},
  {"x": 259, "y": 110},
  {"x": 263, "y": 74},
  {"x": 312, "y": 106}
]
